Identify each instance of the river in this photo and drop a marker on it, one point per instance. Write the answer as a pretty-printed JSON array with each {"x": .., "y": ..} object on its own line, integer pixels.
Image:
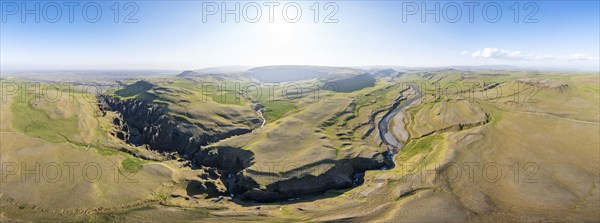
[{"x": 394, "y": 146}]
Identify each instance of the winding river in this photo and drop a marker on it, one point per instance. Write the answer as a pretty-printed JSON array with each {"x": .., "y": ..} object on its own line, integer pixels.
[{"x": 394, "y": 146}]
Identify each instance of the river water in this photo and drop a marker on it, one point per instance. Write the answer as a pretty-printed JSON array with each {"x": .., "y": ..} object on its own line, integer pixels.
[{"x": 394, "y": 146}]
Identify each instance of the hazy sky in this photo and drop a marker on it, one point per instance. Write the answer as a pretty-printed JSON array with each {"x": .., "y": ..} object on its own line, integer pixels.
[{"x": 172, "y": 35}]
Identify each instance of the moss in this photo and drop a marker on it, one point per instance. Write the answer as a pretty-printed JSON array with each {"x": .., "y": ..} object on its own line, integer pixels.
[
  {"x": 274, "y": 110},
  {"x": 108, "y": 152},
  {"x": 228, "y": 98},
  {"x": 375, "y": 97},
  {"x": 416, "y": 146},
  {"x": 230, "y": 94},
  {"x": 132, "y": 164},
  {"x": 38, "y": 124}
]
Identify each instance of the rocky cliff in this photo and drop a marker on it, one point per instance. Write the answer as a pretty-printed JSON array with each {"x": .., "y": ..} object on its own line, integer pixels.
[
  {"x": 343, "y": 174},
  {"x": 148, "y": 117},
  {"x": 151, "y": 124}
]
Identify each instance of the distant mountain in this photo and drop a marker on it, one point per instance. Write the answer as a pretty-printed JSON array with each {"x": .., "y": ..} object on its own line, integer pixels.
[
  {"x": 285, "y": 73},
  {"x": 136, "y": 88},
  {"x": 377, "y": 68},
  {"x": 349, "y": 82},
  {"x": 486, "y": 67},
  {"x": 188, "y": 73},
  {"x": 384, "y": 67},
  {"x": 214, "y": 70}
]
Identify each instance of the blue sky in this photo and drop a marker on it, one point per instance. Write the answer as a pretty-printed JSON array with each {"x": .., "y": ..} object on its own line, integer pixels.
[{"x": 172, "y": 35}]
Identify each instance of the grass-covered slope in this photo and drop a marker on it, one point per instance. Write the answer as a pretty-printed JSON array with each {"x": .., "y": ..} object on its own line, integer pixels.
[
  {"x": 180, "y": 115},
  {"x": 58, "y": 154},
  {"x": 482, "y": 146}
]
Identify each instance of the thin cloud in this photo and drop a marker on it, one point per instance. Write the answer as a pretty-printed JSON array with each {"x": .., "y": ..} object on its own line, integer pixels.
[{"x": 494, "y": 53}]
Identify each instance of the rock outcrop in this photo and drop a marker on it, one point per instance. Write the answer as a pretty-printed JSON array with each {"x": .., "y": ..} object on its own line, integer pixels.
[
  {"x": 162, "y": 127},
  {"x": 151, "y": 124},
  {"x": 343, "y": 174}
]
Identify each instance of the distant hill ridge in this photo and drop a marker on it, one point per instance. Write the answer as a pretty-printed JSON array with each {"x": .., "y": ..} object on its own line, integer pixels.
[{"x": 345, "y": 79}]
